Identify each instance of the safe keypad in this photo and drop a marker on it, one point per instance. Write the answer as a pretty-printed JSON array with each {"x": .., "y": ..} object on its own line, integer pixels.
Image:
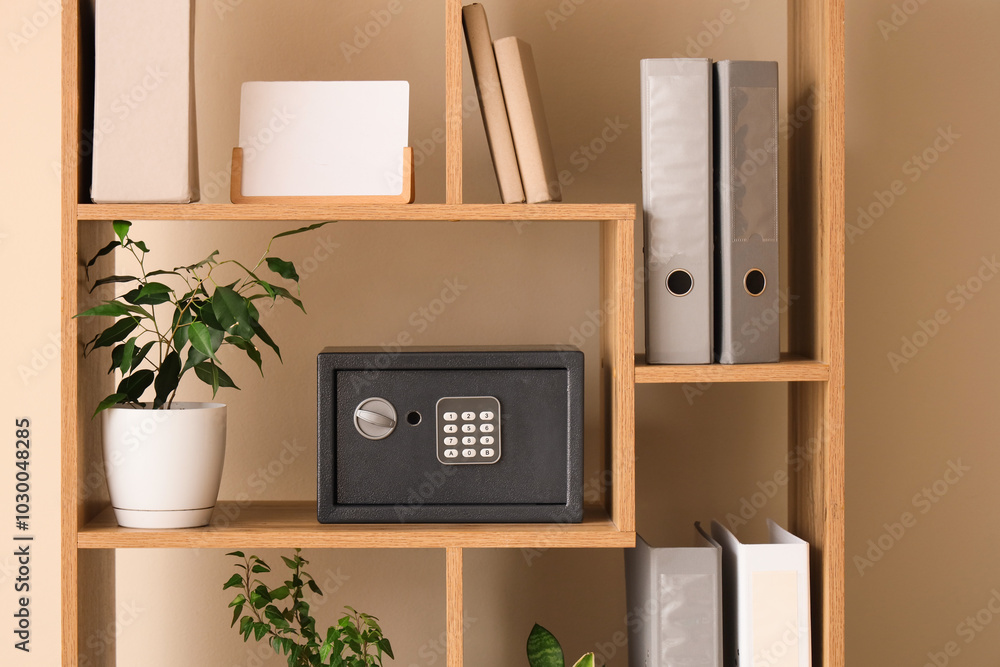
[{"x": 468, "y": 430}]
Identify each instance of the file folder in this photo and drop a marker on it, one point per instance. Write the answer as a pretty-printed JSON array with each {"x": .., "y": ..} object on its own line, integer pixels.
[
  {"x": 765, "y": 599},
  {"x": 747, "y": 327},
  {"x": 677, "y": 209},
  {"x": 675, "y": 604},
  {"x": 144, "y": 142}
]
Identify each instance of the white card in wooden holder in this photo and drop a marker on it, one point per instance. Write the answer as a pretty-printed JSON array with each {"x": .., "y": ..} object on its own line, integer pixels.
[{"x": 323, "y": 139}]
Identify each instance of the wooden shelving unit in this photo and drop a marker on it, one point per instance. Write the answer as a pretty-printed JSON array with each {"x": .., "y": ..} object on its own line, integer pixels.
[{"x": 814, "y": 368}]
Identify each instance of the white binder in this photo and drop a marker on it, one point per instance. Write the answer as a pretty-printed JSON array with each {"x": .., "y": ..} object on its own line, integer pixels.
[
  {"x": 765, "y": 599},
  {"x": 677, "y": 209}
]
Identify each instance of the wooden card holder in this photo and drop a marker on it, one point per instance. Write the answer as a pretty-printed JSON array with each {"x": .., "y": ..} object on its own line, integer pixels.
[{"x": 405, "y": 197}]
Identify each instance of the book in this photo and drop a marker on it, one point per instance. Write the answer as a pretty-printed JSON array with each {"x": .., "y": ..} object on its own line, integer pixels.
[
  {"x": 676, "y": 115},
  {"x": 529, "y": 129},
  {"x": 145, "y": 139},
  {"x": 765, "y": 599},
  {"x": 747, "y": 303},
  {"x": 491, "y": 103},
  {"x": 674, "y": 597}
]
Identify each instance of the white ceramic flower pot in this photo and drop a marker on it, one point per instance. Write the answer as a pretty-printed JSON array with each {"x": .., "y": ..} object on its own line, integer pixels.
[{"x": 164, "y": 467}]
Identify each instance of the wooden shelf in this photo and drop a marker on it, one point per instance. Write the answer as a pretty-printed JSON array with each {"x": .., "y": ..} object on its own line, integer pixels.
[
  {"x": 791, "y": 368},
  {"x": 318, "y": 212},
  {"x": 264, "y": 525}
]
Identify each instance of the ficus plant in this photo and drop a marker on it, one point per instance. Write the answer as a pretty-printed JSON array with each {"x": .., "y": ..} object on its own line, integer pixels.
[
  {"x": 544, "y": 650},
  {"x": 356, "y": 640},
  {"x": 205, "y": 316}
]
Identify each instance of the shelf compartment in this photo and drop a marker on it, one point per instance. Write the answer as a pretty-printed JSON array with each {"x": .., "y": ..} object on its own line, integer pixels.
[
  {"x": 791, "y": 368},
  {"x": 318, "y": 212},
  {"x": 263, "y": 525}
]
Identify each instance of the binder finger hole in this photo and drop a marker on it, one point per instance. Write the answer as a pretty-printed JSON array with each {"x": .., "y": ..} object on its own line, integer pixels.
[
  {"x": 680, "y": 282},
  {"x": 754, "y": 282}
]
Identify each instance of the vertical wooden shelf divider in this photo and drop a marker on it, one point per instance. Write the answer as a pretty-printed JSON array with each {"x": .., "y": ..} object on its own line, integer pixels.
[
  {"x": 816, "y": 210},
  {"x": 454, "y": 35},
  {"x": 453, "y": 70}
]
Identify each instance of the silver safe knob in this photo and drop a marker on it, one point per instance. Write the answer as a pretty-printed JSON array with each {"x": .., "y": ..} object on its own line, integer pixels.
[{"x": 375, "y": 418}]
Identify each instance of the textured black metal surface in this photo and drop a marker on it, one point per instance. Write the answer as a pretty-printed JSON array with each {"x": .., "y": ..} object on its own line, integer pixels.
[{"x": 399, "y": 479}]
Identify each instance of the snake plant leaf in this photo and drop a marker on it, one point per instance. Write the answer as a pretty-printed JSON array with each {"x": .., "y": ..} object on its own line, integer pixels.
[{"x": 544, "y": 649}]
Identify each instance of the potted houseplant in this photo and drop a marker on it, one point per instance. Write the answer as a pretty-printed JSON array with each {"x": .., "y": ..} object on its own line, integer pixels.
[
  {"x": 356, "y": 640},
  {"x": 163, "y": 458}
]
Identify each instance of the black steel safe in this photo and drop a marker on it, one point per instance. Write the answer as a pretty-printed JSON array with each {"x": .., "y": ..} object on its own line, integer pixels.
[{"x": 463, "y": 435}]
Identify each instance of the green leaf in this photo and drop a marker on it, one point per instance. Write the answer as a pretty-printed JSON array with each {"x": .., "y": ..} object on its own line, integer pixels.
[
  {"x": 289, "y": 563},
  {"x": 230, "y": 309},
  {"x": 236, "y": 614},
  {"x": 259, "y": 330},
  {"x": 238, "y": 554},
  {"x": 101, "y": 253},
  {"x": 313, "y": 587},
  {"x": 267, "y": 288},
  {"x": 127, "y": 351},
  {"x": 245, "y": 624},
  {"x": 107, "y": 309},
  {"x": 150, "y": 294},
  {"x": 386, "y": 647},
  {"x": 324, "y": 651},
  {"x": 279, "y": 593},
  {"x": 194, "y": 358},
  {"x": 249, "y": 348},
  {"x": 161, "y": 272},
  {"x": 261, "y": 567},
  {"x": 201, "y": 339},
  {"x": 113, "y": 399},
  {"x": 180, "y": 328},
  {"x": 272, "y": 614},
  {"x": 283, "y": 268},
  {"x": 259, "y": 630},
  {"x": 208, "y": 260},
  {"x": 282, "y": 292},
  {"x": 112, "y": 279},
  {"x": 140, "y": 355},
  {"x": 133, "y": 385},
  {"x": 235, "y": 580},
  {"x": 140, "y": 245},
  {"x": 116, "y": 333},
  {"x": 121, "y": 228},
  {"x": 116, "y": 357},
  {"x": 167, "y": 378},
  {"x": 585, "y": 661},
  {"x": 303, "y": 229},
  {"x": 544, "y": 649},
  {"x": 207, "y": 315},
  {"x": 215, "y": 377}
]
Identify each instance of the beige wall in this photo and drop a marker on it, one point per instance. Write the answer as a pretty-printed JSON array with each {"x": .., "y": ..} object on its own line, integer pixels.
[
  {"x": 29, "y": 327},
  {"x": 907, "y": 424},
  {"x": 537, "y": 284}
]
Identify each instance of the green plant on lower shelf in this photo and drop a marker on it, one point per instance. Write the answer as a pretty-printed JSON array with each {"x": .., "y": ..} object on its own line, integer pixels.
[
  {"x": 544, "y": 650},
  {"x": 356, "y": 640}
]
